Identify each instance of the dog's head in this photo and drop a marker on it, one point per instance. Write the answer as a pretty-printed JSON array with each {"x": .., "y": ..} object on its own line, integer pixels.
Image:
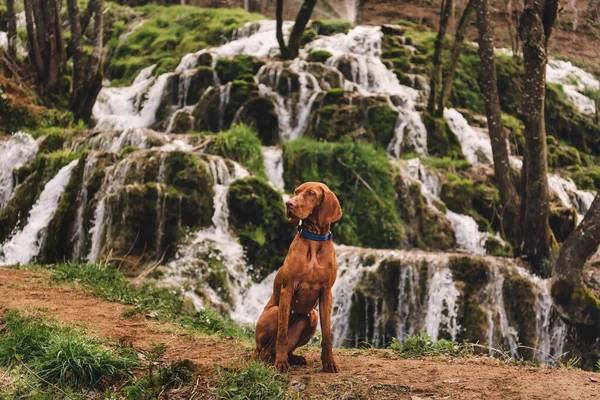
[{"x": 314, "y": 201}]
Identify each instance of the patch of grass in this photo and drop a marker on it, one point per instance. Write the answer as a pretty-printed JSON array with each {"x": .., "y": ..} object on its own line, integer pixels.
[
  {"x": 421, "y": 345},
  {"x": 61, "y": 356},
  {"x": 165, "y": 303},
  {"x": 598, "y": 366},
  {"x": 241, "y": 144},
  {"x": 256, "y": 380},
  {"x": 169, "y": 33}
]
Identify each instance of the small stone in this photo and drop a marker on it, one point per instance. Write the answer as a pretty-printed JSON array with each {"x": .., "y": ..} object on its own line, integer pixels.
[
  {"x": 297, "y": 385},
  {"x": 593, "y": 379}
]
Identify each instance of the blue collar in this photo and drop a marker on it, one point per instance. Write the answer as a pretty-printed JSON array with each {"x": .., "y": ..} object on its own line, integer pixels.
[{"x": 312, "y": 236}]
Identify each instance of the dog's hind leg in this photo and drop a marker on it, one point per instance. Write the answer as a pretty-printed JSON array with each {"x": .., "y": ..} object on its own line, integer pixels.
[{"x": 300, "y": 334}]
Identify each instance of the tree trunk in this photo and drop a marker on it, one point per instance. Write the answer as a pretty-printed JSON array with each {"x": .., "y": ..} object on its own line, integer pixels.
[
  {"x": 489, "y": 87},
  {"x": 572, "y": 298},
  {"x": 74, "y": 20},
  {"x": 535, "y": 33},
  {"x": 35, "y": 53},
  {"x": 579, "y": 246},
  {"x": 280, "y": 39},
  {"x": 12, "y": 28},
  {"x": 302, "y": 19},
  {"x": 436, "y": 75},
  {"x": 96, "y": 59},
  {"x": 459, "y": 38},
  {"x": 291, "y": 50},
  {"x": 84, "y": 96}
]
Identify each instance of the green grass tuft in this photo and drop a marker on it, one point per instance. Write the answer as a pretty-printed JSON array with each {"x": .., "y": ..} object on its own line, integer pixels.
[
  {"x": 421, "y": 345},
  {"x": 61, "y": 355},
  {"x": 255, "y": 380},
  {"x": 241, "y": 144}
]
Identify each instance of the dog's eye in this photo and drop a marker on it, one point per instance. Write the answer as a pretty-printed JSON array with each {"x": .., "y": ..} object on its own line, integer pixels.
[{"x": 311, "y": 193}]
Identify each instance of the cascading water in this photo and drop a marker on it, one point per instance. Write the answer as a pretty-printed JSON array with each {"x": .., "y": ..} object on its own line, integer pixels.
[
  {"x": 273, "y": 157},
  {"x": 15, "y": 152},
  {"x": 25, "y": 244},
  {"x": 82, "y": 199},
  {"x": 575, "y": 82},
  {"x": 476, "y": 146},
  {"x": 215, "y": 244}
]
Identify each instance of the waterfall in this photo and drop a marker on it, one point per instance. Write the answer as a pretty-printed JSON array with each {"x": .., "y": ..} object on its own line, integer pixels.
[
  {"x": 114, "y": 179},
  {"x": 442, "y": 306},
  {"x": 574, "y": 82},
  {"x": 24, "y": 245},
  {"x": 476, "y": 146},
  {"x": 273, "y": 157},
  {"x": 82, "y": 199},
  {"x": 18, "y": 150},
  {"x": 215, "y": 244},
  {"x": 497, "y": 318}
]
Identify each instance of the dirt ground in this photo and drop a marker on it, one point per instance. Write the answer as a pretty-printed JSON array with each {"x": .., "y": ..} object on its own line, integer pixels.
[{"x": 373, "y": 374}]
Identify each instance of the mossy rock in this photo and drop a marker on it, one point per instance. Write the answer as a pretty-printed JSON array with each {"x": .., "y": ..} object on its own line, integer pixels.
[
  {"x": 207, "y": 112},
  {"x": 566, "y": 123},
  {"x": 169, "y": 98},
  {"x": 382, "y": 123},
  {"x": 31, "y": 180},
  {"x": 257, "y": 216},
  {"x": 425, "y": 228},
  {"x": 318, "y": 56},
  {"x": 560, "y": 156},
  {"x": 183, "y": 122},
  {"x": 457, "y": 193},
  {"x": 519, "y": 303},
  {"x": 191, "y": 177},
  {"x": 472, "y": 270},
  {"x": 441, "y": 141},
  {"x": 587, "y": 178},
  {"x": 260, "y": 114},
  {"x": 58, "y": 245},
  {"x": 202, "y": 78},
  {"x": 328, "y": 27},
  {"x": 345, "y": 167},
  {"x": 237, "y": 68}
]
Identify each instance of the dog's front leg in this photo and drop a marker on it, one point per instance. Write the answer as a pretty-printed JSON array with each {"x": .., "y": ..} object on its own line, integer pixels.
[
  {"x": 325, "y": 305},
  {"x": 283, "y": 318}
]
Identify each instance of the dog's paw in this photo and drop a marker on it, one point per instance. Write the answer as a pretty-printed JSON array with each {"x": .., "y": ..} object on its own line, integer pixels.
[
  {"x": 282, "y": 365},
  {"x": 296, "y": 360},
  {"x": 330, "y": 366}
]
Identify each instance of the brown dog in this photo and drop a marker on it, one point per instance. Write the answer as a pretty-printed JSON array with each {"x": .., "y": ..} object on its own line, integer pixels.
[{"x": 289, "y": 319}]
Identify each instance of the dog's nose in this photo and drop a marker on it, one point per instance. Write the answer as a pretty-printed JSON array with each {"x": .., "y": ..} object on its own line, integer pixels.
[{"x": 289, "y": 204}]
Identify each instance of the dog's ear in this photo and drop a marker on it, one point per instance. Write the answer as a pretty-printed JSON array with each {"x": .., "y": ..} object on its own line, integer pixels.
[{"x": 330, "y": 209}]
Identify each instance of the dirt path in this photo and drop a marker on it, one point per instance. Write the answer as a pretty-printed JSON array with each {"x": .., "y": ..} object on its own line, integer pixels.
[{"x": 372, "y": 374}]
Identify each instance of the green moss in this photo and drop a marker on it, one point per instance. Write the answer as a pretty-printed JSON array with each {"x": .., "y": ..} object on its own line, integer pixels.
[
  {"x": 457, "y": 193},
  {"x": 519, "y": 302},
  {"x": 129, "y": 149},
  {"x": 32, "y": 179},
  {"x": 561, "y": 155},
  {"x": 168, "y": 33},
  {"x": 587, "y": 178},
  {"x": 203, "y": 78},
  {"x": 241, "y": 144},
  {"x": 191, "y": 177},
  {"x": 237, "y": 68},
  {"x": 517, "y": 130},
  {"x": 328, "y": 27},
  {"x": 358, "y": 174},
  {"x": 382, "y": 123},
  {"x": 257, "y": 216},
  {"x": 441, "y": 141},
  {"x": 472, "y": 270},
  {"x": 566, "y": 123},
  {"x": 318, "y": 55}
]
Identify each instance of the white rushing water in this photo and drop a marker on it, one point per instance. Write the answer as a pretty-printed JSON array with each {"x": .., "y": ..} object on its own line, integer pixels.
[
  {"x": 214, "y": 243},
  {"x": 25, "y": 244},
  {"x": 273, "y": 157},
  {"x": 475, "y": 145},
  {"x": 575, "y": 82},
  {"x": 18, "y": 150}
]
